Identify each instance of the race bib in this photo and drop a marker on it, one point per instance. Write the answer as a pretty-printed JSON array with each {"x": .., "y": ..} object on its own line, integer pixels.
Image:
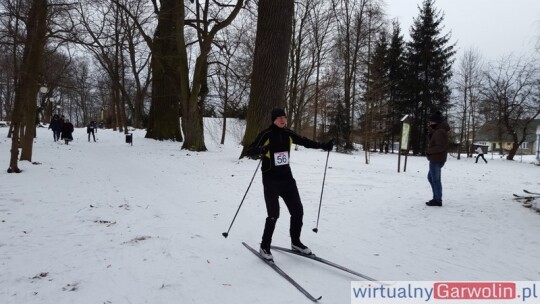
[{"x": 281, "y": 158}]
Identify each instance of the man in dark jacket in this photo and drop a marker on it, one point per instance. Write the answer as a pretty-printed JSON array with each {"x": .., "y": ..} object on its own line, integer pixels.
[
  {"x": 56, "y": 126},
  {"x": 90, "y": 130},
  {"x": 274, "y": 144},
  {"x": 437, "y": 151}
]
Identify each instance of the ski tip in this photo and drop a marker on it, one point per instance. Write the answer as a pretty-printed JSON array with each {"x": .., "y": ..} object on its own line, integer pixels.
[{"x": 317, "y": 299}]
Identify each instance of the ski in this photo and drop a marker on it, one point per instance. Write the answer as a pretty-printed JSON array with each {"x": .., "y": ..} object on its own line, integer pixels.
[
  {"x": 529, "y": 192},
  {"x": 283, "y": 274},
  {"x": 324, "y": 261},
  {"x": 526, "y": 197}
]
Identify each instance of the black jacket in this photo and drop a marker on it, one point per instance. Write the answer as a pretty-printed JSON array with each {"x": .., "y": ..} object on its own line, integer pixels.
[
  {"x": 91, "y": 126},
  {"x": 274, "y": 140},
  {"x": 56, "y": 125}
]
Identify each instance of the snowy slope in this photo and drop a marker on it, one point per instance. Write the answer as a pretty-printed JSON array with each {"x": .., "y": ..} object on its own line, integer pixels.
[{"x": 108, "y": 222}]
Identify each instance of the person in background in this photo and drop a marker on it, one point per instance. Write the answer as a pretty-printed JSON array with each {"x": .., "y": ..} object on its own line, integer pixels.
[
  {"x": 480, "y": 154},
  {"x": 437, "y": 150},
  {"x": 274, "y": 144},
  {"x": 67, "y": 131},
  {"x": 56, "y": 126},
  {"x": 90, "y": 129}
]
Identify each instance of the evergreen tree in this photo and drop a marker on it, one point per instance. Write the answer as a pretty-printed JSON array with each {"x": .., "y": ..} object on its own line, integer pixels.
[
  {"x": 338, "y": 127},
  {"x": 396, "y": 81},
  {"x": 376, "y": 95},
  {"x": 429, "y": 62}
]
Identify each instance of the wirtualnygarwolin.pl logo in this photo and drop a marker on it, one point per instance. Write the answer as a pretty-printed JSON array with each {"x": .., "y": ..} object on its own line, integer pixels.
[{"x": 445, "y": 292}]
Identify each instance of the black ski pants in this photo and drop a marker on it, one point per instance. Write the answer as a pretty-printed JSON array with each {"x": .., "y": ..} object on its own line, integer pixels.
[
  {"x": 482, "y": 156},
  {"x": 286, "y": 189},
  {"x": 91, "y": 132}
]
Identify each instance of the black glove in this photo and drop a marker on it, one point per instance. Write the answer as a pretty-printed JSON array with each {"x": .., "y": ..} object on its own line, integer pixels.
[
  {"x": 263, "y": 149},
  {"x": 328, "y": 146}
]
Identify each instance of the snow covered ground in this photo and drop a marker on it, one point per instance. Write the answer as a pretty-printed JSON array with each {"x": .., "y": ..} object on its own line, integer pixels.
[{"x": 108, "y": 222}]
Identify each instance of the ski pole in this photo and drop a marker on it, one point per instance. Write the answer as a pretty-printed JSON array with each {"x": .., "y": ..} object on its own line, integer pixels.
[
  {"x": 226, "y": 234},
  {"x": 316, "y": 229}
]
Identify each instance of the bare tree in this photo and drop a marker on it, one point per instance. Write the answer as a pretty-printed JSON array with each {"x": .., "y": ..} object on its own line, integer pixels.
[
  {"x": 301, "y": 65},
  {"x": 230, "y": 73},
  {"x": 109, "y": 34},
  {"x": 356, "y": 23},
  {"x": 468, "y": 83},
  {"x": 11, "y": 46},
  {"x": 171, "y": 66},
  {"x": 208, "y": 21},
  {"x": 511, "y": 90},
  {"x": 27, "y": 85},
  {"x": 321, "y": 24},
  {"x": 12, "y": 40}
]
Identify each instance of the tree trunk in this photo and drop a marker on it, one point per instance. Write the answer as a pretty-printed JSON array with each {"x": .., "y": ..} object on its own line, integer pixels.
[
  {"x": 192, "y": 120},
  {"x": 274, "y": 30},
  {"x": 27, "y": 85},
  {"x": 164, "y": 122}
]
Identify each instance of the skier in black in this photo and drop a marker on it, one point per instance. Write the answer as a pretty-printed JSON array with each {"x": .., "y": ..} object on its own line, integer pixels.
[
  {"x": 274, "y": 144},
  {"x": 90, "y": 130}
]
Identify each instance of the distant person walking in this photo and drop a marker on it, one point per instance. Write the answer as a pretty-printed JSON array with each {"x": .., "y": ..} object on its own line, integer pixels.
[
  {"x": 437, "y": 151},
  {"x": 90, "y": 129},
  {"x": 56, "y": 126},
  {"x": 480, "y": 154},
  {"x": 67, "y": 131}
]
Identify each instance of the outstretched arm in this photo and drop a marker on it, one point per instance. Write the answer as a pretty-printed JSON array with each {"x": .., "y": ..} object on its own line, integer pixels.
[{"x": 308, "y": 143}]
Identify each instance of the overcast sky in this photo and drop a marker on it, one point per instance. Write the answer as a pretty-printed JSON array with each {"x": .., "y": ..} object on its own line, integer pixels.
[{"x": 496, "y": 28}]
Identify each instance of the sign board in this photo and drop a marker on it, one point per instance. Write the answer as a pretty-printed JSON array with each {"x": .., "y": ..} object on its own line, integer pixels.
[
  {"x": 538, "y": 143},
  {"x": 404, "y": 140},
  {"x": 405, "y": 131}
]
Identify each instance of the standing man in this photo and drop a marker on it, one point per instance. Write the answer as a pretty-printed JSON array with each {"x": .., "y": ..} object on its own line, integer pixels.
[
  {"x": 90, "y": 130},
  {"x": 274, "y": 144},
  {"x": 437, "y": 151}
]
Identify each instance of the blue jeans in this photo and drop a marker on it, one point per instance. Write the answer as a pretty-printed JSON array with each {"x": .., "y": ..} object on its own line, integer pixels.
[{"x": 434, "y": 178}]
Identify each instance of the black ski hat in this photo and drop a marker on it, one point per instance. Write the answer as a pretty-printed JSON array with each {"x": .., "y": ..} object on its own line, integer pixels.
[{"x": 277, "y": 112}]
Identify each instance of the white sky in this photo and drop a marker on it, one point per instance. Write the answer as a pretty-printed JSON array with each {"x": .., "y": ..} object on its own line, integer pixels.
[{"x": 495, "y": 28}]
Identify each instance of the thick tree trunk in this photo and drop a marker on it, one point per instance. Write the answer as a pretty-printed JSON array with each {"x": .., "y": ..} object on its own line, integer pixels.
[
  {"x": 274, "y": 30},
  {"x": 192, "y": 120},
  {"x": 27, "y": 85},
  {"x": 164, "y": 117},
  {"x": 164, "y": 121},
  {"x": 192, "y": 123}
]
